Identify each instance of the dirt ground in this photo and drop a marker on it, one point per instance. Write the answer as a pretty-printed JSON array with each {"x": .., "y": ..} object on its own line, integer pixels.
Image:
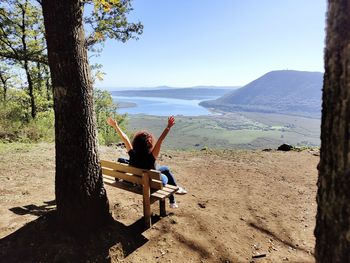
[{"x": 240, "y": 204}]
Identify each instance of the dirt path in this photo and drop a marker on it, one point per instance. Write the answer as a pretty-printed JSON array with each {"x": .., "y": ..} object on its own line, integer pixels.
[{"x": 240, "y": 204}]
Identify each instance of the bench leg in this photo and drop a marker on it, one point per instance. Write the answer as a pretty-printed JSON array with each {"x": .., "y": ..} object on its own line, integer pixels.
[
  {"x": 146, "y": 200},
  {"x": 162, "y": 210}
]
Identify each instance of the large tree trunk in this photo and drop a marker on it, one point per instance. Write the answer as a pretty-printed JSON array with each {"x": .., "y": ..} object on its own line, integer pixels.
[
  {"x": 333, "y": 214},
  {"x": 26, "y": 61},
  {"x": 80, "y": 196}
]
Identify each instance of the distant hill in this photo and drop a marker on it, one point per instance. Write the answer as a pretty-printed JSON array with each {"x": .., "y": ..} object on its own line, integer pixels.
[
  {"x": 192, "y": 93},
  {"x": 283, "y": 91}
]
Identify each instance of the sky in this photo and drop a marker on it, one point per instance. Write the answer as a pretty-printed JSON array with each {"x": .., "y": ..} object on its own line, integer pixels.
[{"x": 222, "y": 43}]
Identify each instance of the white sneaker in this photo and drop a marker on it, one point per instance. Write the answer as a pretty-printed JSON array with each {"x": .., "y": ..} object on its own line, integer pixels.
[
  {"x": 174, "y": 205},
  {"x": 181, "y": 191}
]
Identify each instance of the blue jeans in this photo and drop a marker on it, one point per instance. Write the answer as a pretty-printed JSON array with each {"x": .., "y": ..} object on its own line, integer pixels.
[{"x": 166, "y": 176}]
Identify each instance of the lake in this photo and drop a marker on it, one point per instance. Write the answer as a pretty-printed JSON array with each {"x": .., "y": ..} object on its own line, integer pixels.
[{"x": 163, "y": 106}]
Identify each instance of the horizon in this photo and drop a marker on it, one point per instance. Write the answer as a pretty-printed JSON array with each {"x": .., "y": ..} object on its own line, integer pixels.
[
  {"x": 196, "y": 43},
  {"x": 195, "y": 86}
]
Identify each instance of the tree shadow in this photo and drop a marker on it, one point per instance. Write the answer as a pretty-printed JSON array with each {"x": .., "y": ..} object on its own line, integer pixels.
[
  {"x": 42, "y": 241},
  {"x": 34, "y": 209},
  {"x": 195, "y": 245},
  {"x": 276, "y": 237},
  {"x": 285, "y": 238}
]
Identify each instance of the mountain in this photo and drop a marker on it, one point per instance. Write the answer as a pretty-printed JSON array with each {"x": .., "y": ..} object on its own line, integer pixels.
[
  {"x": 282, "y": 91},
  {"x": 192, "y": 93}
]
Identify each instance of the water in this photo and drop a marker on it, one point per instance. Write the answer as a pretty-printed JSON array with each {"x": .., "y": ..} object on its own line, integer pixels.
[{"x": 163, "y": 106}]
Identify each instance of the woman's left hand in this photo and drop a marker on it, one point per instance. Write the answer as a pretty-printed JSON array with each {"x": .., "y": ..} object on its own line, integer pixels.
[{"x": 171, "y": 121}]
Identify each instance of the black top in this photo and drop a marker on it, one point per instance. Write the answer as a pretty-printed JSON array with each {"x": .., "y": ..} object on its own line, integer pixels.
[{"x": 142, "y": 161}]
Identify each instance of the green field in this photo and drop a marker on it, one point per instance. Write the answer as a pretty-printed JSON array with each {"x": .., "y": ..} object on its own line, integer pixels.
[{"x": 233, "y": 130}]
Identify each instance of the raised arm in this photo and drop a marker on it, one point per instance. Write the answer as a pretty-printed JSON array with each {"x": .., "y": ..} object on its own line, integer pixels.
[
  {"x": 121, "y": 134},
  {"x": 156, "y": 149}
]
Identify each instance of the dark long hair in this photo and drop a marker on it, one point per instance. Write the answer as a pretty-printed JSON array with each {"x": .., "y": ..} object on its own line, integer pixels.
[{"x": 143, "y": 142}]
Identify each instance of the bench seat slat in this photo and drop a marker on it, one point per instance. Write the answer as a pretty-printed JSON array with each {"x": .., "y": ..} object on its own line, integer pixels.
[
  {"x": 172, "y": 187},
  {"x": 165, "y": 193},
  {"x": 169, "y": 190},
  {"x": 122, "y": 167},
  {"x": 155, "y": 195}
]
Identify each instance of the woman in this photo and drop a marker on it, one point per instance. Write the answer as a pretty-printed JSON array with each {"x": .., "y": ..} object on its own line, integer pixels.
[{"x": 143, "y": 153}]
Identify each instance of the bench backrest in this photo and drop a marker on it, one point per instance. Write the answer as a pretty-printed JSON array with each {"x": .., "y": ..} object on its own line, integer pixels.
[{"x": 131, "y": 174}]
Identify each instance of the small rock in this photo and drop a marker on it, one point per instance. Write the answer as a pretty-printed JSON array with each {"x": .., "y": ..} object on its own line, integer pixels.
[
  {"x": 202, "y": 205},
  {"x": 259, "y": 256},
  {"x": 257, "y": 247},
  {"x": 285, "y": 147},
  {"x": 267, "y": 150}
]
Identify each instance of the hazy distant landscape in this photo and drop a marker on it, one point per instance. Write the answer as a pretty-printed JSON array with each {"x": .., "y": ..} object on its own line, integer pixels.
[
  {"x": 279, "y": 107},
  {"x": 192, "y": 93}
]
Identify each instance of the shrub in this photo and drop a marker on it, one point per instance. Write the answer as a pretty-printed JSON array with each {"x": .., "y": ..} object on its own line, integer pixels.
[{"x": 104, "y": 108}]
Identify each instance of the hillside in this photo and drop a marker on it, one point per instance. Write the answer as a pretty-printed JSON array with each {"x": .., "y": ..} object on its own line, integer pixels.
[
  {"x": 239, "y": 204},
  {"x": 283, "y": 91},
  {"x": 192, "y": 93}
]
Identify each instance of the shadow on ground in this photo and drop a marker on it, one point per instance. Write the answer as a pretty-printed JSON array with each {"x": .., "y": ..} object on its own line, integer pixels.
[
  {"x": 34, "y": 209},
  {"x": 41, "y": 241}
]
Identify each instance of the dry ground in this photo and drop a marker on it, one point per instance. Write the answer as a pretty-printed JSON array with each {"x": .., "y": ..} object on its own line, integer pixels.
[{"x": 239, "y": 204}]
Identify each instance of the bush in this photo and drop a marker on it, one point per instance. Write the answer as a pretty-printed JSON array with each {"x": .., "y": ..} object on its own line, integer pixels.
[
  {"x": 16, "y": 123},
  {"x": 104, "y": 108}
]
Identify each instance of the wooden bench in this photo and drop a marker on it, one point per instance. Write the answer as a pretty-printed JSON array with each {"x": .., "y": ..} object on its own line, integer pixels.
[{"x": 144, "y": 182}]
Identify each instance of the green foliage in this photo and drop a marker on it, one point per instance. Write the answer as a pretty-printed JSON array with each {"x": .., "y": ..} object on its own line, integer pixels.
[
  {"x": 23, "y": 47},
  {"x": 104, "y": 108},
  {"x": 108, "y": 19},
  {"x": 22, "y": 31},
  {"x": 16, "y": 123},
  {"x": 25, "y": 87}
]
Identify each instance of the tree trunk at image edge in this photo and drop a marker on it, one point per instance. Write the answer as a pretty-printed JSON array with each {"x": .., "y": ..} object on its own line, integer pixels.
[
  {"x": 333, "y": 197},
  {"x": 80, "y": 196}
]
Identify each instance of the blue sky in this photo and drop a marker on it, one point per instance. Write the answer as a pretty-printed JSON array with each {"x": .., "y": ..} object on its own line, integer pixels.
[{"x": 223, "y": 43}]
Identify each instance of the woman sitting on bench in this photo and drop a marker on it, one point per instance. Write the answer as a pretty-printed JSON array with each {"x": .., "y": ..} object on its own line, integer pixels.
[{"x": 143, "y": 153}]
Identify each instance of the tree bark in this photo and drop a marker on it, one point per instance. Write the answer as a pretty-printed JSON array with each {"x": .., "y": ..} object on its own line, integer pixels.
[
  {"x": 80, "y": 195},
  {"x": 30, "y": 89},
  {"x": 4, "y": 81},
  {"x": 26, "y": 62},
  {"x": 333, "y": 197}
]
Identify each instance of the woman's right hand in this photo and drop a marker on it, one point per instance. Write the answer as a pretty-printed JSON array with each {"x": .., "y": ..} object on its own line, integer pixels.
[{"x": 112, "y": 122}]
